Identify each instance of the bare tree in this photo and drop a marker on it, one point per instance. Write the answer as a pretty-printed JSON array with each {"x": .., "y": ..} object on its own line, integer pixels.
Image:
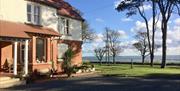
[
  {"x": 99, "y": 52},
  {"x": 106, "y": 40},
  {"x": 113, "y": 38},
  {"x": 87, "y": 33},
  {"x": 142, "y": 45}
]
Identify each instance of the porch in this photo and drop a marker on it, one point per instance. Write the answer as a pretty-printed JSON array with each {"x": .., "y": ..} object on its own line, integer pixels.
[
  {"x": 13, "y": 56},
  {"x": 26, "y": 47}
]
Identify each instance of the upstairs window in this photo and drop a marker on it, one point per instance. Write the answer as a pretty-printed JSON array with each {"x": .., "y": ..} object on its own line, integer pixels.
[
  {"x": 29, "y": 13},
  {"x": 33, "y": 14},
  {"x": 37, "y": 14},
  {"x": 65, "y": 26}
]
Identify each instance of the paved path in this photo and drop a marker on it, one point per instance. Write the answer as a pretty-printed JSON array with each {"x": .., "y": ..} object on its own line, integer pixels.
[{"x": 99, "y": 83}]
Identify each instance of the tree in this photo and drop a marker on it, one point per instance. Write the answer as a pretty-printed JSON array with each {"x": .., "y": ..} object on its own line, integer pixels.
[
  {"x": 166, "y": 7},
  {"x": 87, "y": 33},
  {"x": 106, "y": 40},
  {"x": 142, "y": 45},
  {"x": 154, "y": 26},
  {"x": 134, "y": 6},
  {"x": 113, "y": 41},
  {"x": 99, "y": 52}
]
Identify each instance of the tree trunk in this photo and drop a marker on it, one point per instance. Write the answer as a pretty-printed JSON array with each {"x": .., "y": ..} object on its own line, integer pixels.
[
  {"x": 143, "y": 57},
  {"x": 114, "y": 59},
  {"x": 101, "y": 62},
  {"x": 152, "y": 58},
  {"x": 164, "y": 52},
  {"x": 153, "y": 33},
  {"x": 164, "y": 37}
]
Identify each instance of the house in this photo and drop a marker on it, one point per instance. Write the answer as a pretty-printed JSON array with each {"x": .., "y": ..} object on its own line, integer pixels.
[{"x": 33, "y": 33}]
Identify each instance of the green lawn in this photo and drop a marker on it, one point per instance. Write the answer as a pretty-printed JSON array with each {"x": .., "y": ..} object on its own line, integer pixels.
[{"x": 138, "y": 70}]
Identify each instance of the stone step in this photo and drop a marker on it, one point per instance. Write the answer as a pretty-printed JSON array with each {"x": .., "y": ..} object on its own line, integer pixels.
[
  {"x": 11, "y": 82},
  {"x": 4, "y": 78}
]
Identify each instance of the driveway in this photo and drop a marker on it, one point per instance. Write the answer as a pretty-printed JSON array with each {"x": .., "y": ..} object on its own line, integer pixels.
[{"x": 101, "y": 83}]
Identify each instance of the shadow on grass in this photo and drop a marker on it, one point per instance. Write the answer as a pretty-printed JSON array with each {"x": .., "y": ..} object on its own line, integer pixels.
[
  {"x": 163, "y": 76},
  {"x": 149, "y": 76}
]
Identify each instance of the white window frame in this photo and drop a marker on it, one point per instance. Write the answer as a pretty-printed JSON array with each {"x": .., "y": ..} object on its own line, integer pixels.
[
  {"x": 29, "y": 13},
  {"x": 35, "y": 12},
  {"x": 65, "y": 26}
]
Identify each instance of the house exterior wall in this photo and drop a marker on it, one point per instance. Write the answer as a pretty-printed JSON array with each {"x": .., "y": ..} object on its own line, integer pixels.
[
  {"x": 77, "y": 49},
  {"x": 16, "y": 11},
  {"x": 73, "y": 40},
  {"x": 49, "y": 17},
  {"x": 75, "y": 29},
  {"x": 13, "y": 10},
  {"x": 6, "y": 51}
]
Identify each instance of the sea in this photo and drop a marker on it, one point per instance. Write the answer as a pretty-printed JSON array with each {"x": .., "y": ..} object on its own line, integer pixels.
[{"x": 157, "y": 59}]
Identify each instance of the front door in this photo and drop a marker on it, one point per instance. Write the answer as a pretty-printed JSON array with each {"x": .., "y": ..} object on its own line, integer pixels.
[
  {"x": 22, "y": 48},
  {"x": 21, "y": 57}
]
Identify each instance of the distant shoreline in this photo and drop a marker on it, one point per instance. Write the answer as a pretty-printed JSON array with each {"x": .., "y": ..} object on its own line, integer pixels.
[
  {"x": 136, "y": 59},
  {"x": 175, "y": 64}
]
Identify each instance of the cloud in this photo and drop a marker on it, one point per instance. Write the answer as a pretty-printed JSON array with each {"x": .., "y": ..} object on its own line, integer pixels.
[
  {"x": 173, "y": 39},
  {"x": 99, "y": 38},
  {"x": 139, "y": 26},
  {"x": 173, "y": 34},
  {"x": 177, "y": 21},
  {"x": 123, "y": 33},
  {"x": 170, "y": 51},
  {"x": 146, "y": 7},
  {"x": 116, "y": 3},
  {"x": 99, "y": 20},
  {"x": 126, "y": 19}
]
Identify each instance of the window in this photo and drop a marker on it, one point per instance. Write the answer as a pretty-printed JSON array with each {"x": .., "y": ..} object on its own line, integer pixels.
[
  {"x": 40, "y": 50},
  {"x": 29, "y": 13},
  {"x": 37, "y": 14},
  {"x": 62, "y": 48},
  {"x": 65, "y": 26},
  {"x": 33, "y": 14}
]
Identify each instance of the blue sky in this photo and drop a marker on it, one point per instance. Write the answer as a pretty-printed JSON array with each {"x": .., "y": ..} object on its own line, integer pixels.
[{"x": 101, "y": 13}]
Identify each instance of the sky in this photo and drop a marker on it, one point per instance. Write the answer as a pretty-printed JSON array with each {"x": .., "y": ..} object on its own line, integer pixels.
[{"x": 101, "y": 13}]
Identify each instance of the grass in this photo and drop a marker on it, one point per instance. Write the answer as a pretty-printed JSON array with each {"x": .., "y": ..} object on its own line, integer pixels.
[{"x": 125, "y": 70}]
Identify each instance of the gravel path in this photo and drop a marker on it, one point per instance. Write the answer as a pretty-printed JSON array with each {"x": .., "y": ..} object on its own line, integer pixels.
[{"x": 100, "y": 83}]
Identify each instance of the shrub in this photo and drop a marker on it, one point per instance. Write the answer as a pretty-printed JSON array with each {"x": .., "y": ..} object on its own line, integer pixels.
[
  {"x": 67, "y": 66},
  {"x": 87, "y": 62}
]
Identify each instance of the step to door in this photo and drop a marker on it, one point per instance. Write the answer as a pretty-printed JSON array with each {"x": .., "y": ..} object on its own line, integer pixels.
[
  {"x": 6, "y": 82},
  {"x": 4, "y": 78}
]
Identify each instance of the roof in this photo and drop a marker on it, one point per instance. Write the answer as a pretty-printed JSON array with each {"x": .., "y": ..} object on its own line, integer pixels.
[
  {"x": 20, "y": 30},
  {"x": 63, "y": 8},
  {"x": 66, "y": 9}
]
